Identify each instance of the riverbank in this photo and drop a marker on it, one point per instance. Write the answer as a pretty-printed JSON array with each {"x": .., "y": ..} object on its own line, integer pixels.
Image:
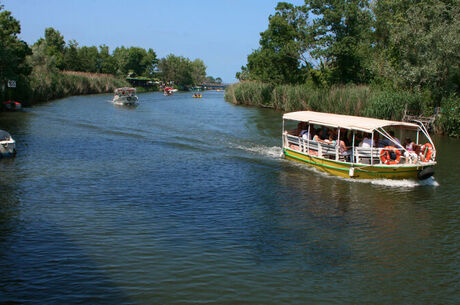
[
  {"x": 357, "y": 100},
  {"x": 43, "y": 87}
]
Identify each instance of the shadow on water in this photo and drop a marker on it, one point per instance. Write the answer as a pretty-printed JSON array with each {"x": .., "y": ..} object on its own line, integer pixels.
[{"x": 39, "y": 262}]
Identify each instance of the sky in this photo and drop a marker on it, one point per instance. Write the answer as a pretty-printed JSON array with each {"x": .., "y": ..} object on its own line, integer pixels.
[{"x": 222, "y": 32}]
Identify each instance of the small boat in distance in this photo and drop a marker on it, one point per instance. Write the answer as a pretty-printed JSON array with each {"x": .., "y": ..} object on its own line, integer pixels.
[
  {"x": 7, "y": 145},
  {"x": 125, "y": 96},
  {"x": 197, "y": 95},
  {"x": 11, "y": 105},
  {"x": 359, "y": 147},
  {"x": 169, "y": 91}
]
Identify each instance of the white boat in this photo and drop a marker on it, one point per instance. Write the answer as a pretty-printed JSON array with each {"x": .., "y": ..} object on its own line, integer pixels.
[
  {"x": 125, "y": 96},
  {"x": 7, "y": 145}
]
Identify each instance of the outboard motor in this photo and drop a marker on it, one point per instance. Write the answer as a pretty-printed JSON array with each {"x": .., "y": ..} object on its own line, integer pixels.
[{"x": 425, "y": 173}]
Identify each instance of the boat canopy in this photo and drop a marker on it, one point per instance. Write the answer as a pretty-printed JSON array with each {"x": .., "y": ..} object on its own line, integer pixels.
[
  {"x": 345, "y": 121},
  {"x": 126, "y": 89},
  {"x": 4, "y": 135}
]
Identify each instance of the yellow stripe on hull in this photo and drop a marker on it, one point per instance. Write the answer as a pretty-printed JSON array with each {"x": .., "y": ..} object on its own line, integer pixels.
[{"x": 361, "y": 171}]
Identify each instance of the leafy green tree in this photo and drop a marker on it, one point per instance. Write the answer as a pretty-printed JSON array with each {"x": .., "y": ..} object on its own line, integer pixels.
[
  {"x": 43, "y": 78},
  {"x": 342, "y": 31},
  {"x": 13, "y": 52},
  {"x": 181, "y": 71},
  {"x": 421, "y": 46},
  {"x": 107, "y": 63},
  {"x": 89, "y": 59},
  {"x": 149, "y": 63},
  {"x": 197, "y": 71},
  {"x": 282, "y": 57},
  {"x": 71, "y": 60},
  {"x": 55, "y": 46}
]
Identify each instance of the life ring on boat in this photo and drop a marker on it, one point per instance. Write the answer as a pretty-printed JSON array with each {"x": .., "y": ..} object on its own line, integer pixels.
[
  {"x": 390, "y": 155},
  {"x": 426, "y": 152}
]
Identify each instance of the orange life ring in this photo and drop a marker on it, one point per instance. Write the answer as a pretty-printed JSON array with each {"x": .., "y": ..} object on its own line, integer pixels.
[
  {"x": 386, "y": 158},
  {"x": 426, "y": 152}
]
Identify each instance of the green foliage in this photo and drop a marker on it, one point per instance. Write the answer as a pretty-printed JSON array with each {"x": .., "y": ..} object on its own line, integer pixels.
[
  {"x": 342, "y": 35},
  {"x": 345, "y": 99},
  {"x": 390, "y": 104},
  {"x": 55, "y": 45},
  {"x": 450, "y": 116},
  {"x": 13, "y": 52},
  {"x": 420, "y": 44},
  {"x": 182, "y": 71},
  {"x": 280, "y": 58}
]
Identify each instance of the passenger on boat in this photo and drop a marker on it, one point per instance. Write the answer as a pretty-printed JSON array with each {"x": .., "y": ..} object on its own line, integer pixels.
[
  {"x": 302, "y": 126},
  {"x": 410, "y": 154},
  {"x": 316, "y": 137},
  {"x": 366, "y": 142},
  {"x": 305, "y": 134},
  {"x": 330, "y": 138}
]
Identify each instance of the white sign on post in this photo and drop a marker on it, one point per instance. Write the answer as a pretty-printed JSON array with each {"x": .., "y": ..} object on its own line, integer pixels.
[{"x": 11, "y": 84}]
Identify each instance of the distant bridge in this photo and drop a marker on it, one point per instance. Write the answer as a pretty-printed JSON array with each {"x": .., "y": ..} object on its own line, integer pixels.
[{"x": 207, "y": 86}]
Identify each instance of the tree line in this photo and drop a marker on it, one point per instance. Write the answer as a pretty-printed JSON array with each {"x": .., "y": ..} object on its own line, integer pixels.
[
  {"x": 32, "y": 65},
  {"x": 402, "y": 44}
]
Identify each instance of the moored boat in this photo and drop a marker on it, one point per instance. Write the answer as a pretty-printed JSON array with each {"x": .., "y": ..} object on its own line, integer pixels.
[
  {"x": 125, "y": 96},
  {"x": 359, "y": 147},
  {"x": 7, "y": 145},
  {"x": 12, "y": 105}
]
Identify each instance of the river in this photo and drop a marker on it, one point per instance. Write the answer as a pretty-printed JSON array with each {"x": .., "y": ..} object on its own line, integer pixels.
[{"x": 184, "y": 200}]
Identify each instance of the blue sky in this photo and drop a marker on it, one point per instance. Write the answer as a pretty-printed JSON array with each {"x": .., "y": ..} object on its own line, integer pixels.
[{"x": 221, "y": 33}]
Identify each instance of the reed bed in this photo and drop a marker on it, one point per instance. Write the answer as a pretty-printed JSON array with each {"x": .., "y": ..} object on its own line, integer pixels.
[
  {"x": 357, "y": 100},
  {"x": 352, "y": 99},
  {"x": 46, "y": 86}
]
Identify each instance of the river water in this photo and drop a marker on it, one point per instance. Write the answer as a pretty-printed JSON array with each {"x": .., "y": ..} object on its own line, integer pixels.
[{"x": 183, "y": 200}]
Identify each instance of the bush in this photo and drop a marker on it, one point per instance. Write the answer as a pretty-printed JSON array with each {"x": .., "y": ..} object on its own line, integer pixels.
[{"x": 450, "y": 116}]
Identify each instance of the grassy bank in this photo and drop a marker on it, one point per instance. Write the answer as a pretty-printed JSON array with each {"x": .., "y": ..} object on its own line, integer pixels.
[
  {"x": 351, "y": 100},
  {"x": 49, "y": 86}
]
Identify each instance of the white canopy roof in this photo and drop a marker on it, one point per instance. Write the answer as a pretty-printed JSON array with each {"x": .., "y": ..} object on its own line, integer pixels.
[{"x": 344, "y": 121}]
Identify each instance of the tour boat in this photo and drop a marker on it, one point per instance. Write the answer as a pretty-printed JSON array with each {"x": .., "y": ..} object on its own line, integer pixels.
[
  {"x": 7, "y": 145},
  {"x": 169, "y": 91},
  {"x": 359, "y": 147},
  {"x": 125, "y": 96}
]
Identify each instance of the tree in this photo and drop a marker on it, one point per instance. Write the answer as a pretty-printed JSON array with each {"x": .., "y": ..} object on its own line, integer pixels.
[
  {"x": 181, "y": 70},
  {"x": 150, "y": 62},
  {"x": 13, "y": 52},
  {"x": 89, "y": 59},
  {"x": 281, "y": 57},
  {"x": 55, "y": 46},
  {"x": 107, "y": 62},
  {"x": 71, "y": 60},
  {"x": 421, "y": 45},
  {"x": 197, "y": 71},
  {"x": 342, "y": 31}
]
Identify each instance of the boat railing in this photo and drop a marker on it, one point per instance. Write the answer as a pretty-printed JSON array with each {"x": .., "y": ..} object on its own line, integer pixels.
[
  {"x": 313, "y": 148},
  {"x": 360, "y": 155}
]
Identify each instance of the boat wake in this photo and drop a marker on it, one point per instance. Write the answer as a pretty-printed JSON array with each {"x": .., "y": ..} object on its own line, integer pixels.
[
  {"x": 405, "y": 183},
  {"x": 272, "y": 152}
]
